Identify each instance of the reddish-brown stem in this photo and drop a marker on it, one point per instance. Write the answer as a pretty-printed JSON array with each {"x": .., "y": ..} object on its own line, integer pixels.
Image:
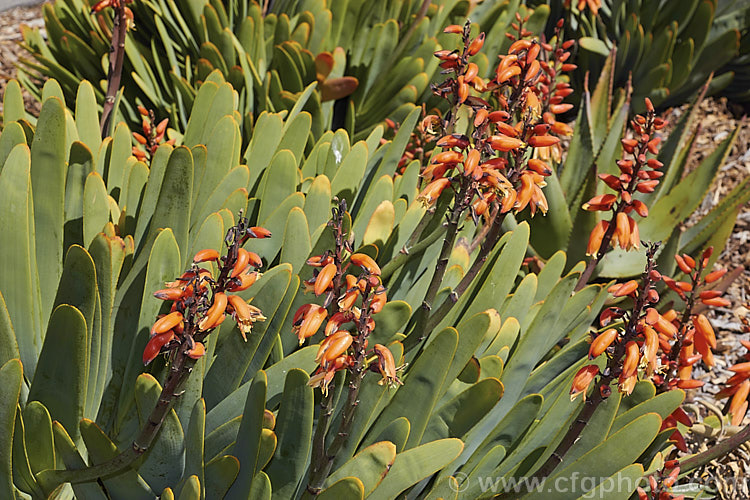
[
  {"x": 612, "y": 371},
  {"x": 116, "y": 57},
  {"x": 320, "y": 458},
  {"x": 638, "y": 155}
]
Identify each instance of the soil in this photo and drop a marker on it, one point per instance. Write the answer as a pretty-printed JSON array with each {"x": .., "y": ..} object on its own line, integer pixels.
[{"x": 717, "y": 118}]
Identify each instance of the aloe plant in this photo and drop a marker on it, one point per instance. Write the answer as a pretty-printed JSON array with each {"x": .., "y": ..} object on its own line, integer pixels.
[
  {"x": 669, "y": 48},
  {"x": 79, "y": 308},
  {"x": 595, "y": 148},
  {"x": 380, "y": 58}
]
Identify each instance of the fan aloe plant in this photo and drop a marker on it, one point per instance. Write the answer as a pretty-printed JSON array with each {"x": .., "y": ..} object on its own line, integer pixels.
[
  {"x": 483, "y": 392},
  {"x": 380, "y": 57},
  {"x": 78, "y": 310}
]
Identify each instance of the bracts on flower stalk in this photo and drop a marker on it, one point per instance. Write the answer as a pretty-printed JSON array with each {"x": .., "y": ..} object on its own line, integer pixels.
[
  {"x": 353, "y": 294},
  {"x": 200, "y": 303}
]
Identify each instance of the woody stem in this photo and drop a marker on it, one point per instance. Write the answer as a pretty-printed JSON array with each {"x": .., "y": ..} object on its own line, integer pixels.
[
  {"x": 117, "y": 55},
  {"x": 181, "y": 367},
  {"x": 357, "y": 371},
  {"x": 491, "y": 238},
  {"x": 613, "y": 370}
]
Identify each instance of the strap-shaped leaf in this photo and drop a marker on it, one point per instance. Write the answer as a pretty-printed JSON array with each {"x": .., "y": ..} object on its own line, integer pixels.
[
  {"x": 101, "y": 449},
  {"x": 461, "y": 413},
  {"x": 415, "y": 464},
  {"x": 11, "y": 376},
  {"x": 369, "y": 465},
  {"x": 48, "y": 160},
  {"x": 247, "y": 446},
  {"x": 220, "y": 474},
  {"x": 421, "y": 389},
  {"x": 195, "y": 445},
  {"x": 294, "y": 428},
  {"x": 63, "y": 362},
  {"x": 165, "y": 460}
]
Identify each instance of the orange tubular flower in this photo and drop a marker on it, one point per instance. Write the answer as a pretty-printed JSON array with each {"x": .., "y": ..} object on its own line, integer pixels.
[
  {"x": 625, "y": 289},
  {"x": 197, "y": 351},
  {"x": 259, "y": 232},
  {"x": 632, "y": 359},
  {"x": 602, "y": 342},
  {"x": 206, "y": 255},
  {"x": 215, "y": 313},
  {"x": 365, "y": 262},
  {"x": 325, "y": 278},
  {"x": 504, "y": 143},
  {"x": 243, "y": 259},
  {"x": 169, "y": 294},
  {"x": 244, "y": 281},
  {"x": 387, "y": 367},
  {"x": 155, "y": 345},
  {"x": 244, "y": 314},
  {"x": 307, "y": 320},
  {"x": 167, "y": 323},
  {"x": 582, "y": 380},
  {"x": 738, "y": 405},
  {"x": 332, "y": 347},
  {"x": 323, "y": 377},
  {"x": 432, "y": 192},
  {"x": 595, "y": 239}
]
